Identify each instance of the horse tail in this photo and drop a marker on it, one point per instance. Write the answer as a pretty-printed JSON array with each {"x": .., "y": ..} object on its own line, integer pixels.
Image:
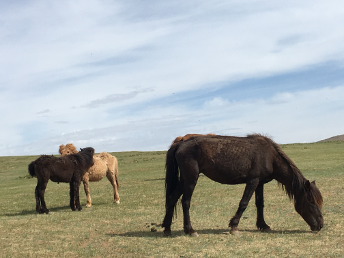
[
  {"x": 32, "y": 169},
  {"x": 172, "y": 172}
]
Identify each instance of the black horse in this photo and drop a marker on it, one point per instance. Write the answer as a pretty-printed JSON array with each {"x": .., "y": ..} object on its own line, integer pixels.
[
  {"x": 253, "y": 160},
  {"x": 68, "y": 169}
]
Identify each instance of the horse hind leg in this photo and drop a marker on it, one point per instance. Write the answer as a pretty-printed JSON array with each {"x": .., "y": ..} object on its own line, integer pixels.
[
  {"x": 38, "y": 199},
  {"x": 170, "y": 206},
  {"x": 72, "y": 196},
  {"x": 40, "y": 203},
  {"x": 111, "y": 177},
  {"x": 190, "y": 181},
  {"x": 186, "y": 201}
]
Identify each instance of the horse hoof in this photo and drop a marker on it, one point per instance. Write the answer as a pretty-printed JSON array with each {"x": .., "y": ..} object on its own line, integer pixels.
[
  {"x": 117, "y": 202},
  {"x": 266, "y": 230},
  {"x": 234, "y": 232},
  {"x": 42, "y": 211},
  {"x": 167, "y": 233},
  {"x": 88, "y": 205},
  {"x": 194, "y": 234}
]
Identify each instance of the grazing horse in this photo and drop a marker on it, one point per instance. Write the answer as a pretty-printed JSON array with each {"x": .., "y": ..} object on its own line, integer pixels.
[
  {"x": 104, "y": 164},
  {"x": 69, "y": 169},
  {"x": 187, "y": 136},
  {"x": 253, "y": 160}
]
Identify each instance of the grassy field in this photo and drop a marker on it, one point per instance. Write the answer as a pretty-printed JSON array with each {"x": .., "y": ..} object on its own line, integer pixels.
[{"x": 125, "y": 230}]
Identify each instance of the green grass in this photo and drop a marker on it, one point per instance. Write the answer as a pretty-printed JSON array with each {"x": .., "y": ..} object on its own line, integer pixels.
[{"x": 124, "y": 230}]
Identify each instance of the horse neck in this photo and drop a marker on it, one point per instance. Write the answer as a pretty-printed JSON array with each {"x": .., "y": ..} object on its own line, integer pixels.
[{"x": 289, "y": 176}]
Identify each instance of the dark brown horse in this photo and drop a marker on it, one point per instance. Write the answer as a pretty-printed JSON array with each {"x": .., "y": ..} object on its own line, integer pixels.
[
  {"x": 254, "y": 160},
  {"x": 68, "y": 169}
]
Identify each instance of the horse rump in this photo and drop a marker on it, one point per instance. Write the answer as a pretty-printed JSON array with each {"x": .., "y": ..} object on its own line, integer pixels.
[{"x": 31, "y": 169}]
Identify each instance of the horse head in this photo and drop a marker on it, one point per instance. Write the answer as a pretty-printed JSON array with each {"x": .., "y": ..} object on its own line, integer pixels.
[
  {"x": 90, "y": 151},
  {"x": 309, "y": 206},
  {"x": 68, "y": 149}
]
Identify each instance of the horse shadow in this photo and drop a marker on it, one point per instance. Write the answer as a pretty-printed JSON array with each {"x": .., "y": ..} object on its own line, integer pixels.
[
  {"x": 179, "y": 233},
  {"x": 51, "y": 209},
  {"x": 155, "y": 179},
  {"x": 33, "y": 211}
]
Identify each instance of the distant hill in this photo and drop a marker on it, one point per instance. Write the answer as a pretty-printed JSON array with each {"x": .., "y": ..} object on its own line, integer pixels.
[{"x": 334, "y": 138}]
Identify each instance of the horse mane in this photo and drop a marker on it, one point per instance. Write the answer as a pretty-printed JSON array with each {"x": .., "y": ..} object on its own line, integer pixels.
[
  {"x": 84, "y": 156},
  {"x": 298, "y": 180}
]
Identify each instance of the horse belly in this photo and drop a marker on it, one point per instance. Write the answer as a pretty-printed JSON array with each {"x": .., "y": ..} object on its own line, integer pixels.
[
  {"x": 97, "y": 171},
  {"x": 225, "y": 177},
  {"x": 64, "y": 177}
]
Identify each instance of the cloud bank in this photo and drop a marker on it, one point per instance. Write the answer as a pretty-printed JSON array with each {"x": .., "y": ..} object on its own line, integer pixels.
[{"x": 123, "y": 75}]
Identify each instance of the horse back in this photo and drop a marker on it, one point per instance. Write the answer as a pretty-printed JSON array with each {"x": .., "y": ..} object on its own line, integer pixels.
[
  {"x": 56, "y": 169},
  {"x": 227, "y": 159}
]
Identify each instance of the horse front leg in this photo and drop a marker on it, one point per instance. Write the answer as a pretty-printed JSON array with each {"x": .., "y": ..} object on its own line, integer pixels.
[
  {"x": 111, "y": 177},
  {"x": 85, "y": 181},
  {"x": 261, "y": 225},
  {"x": 249, "y": 189}
]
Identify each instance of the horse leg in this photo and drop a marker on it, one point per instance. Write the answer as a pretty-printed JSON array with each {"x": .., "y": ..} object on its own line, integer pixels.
[
  {"x": 190, "y": 180},
  {"x": 110, "y": 176},
  {"x": 72, "y": 196},
  {"x": 186, "y": 200},
  {"x": 85, "y": 181},
  {"x": 170, "y": 205},
  {"x": 41, "y": 191},
  {"x": 261, "y": 225},
  {"x": 76, "y": 194},
  {"x": 38, "y": 200},
  {"x": 249, "y": 189}
]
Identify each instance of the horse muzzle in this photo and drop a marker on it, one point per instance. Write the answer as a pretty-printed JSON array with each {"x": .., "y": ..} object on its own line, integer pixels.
[{"x": 317, "y": 227}]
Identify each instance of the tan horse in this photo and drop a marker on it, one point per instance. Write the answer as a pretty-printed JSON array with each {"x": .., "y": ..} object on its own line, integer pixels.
[
  {"x": 187, "y": 136},
  {"x": 104, "y": 164}
]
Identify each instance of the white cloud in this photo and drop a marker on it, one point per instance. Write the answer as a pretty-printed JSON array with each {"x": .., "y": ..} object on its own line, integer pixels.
[{"x": 307, "y": 116}]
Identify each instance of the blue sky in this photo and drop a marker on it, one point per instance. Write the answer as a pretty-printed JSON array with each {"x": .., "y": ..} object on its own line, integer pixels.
[{"x": 133, "y": 75}]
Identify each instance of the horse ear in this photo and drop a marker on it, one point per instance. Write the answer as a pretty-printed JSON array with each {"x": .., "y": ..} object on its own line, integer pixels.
[
  {"x": 308, "y": 185},
  {"x": 61, "y": 148},
  {"x": 81, "y": 149},
  {"x": 313, "y": 182}
]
